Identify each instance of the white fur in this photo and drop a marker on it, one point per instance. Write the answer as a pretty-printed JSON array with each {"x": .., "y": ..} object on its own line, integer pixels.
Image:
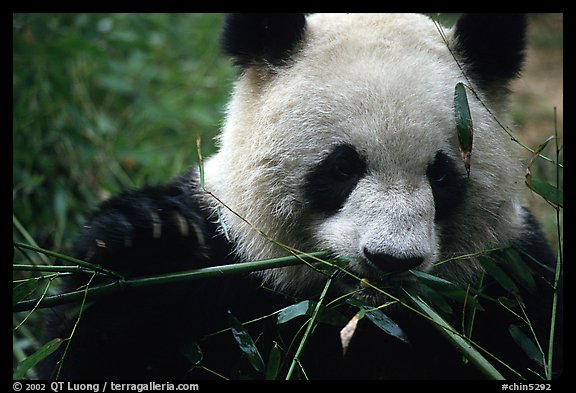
[{"x": 385, "y": 84}]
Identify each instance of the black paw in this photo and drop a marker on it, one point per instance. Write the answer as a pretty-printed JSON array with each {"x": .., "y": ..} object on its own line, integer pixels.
[{"x": 148, "y": 231}]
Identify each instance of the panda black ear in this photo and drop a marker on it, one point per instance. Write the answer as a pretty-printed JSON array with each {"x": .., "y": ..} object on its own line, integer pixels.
[
  {"x": 257, "y": 38},
  {"x": 492, "y": 46}
]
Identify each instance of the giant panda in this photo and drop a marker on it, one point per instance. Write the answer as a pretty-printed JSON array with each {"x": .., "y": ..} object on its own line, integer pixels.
[{"x": 339, "y": 136}]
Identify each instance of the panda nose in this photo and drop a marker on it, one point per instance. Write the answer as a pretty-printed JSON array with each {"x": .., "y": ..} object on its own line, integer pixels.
[{"x": 391, "y": 264}]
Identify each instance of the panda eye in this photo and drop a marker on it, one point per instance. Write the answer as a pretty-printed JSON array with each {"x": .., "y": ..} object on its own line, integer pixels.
[
  {"x": 448, "y": 185},
  {"x": 439, "y": 179},
  {"x": 331, "y": 181},
  {"x": 436, "y": 173},
  {"x": 346, "y": 164}
]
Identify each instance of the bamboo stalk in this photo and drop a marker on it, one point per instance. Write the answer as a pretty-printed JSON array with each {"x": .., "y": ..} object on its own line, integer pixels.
[
  {"x": 67, "y": 258},
  {"x": 559, "y": 265},
  {"x": 456, "y": 340},
  {"x": 311, "y": 323},
  {"x": 52, "y": 268},
  {"x": 188, "y": 275}
]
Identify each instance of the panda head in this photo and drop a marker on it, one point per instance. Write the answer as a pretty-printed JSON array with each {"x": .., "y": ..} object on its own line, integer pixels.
[{"x": 340, "y": 135}]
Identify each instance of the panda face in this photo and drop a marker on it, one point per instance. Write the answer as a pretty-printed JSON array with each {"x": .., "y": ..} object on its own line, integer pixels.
[
  {"x": 347, "y": 143},
  {"x": 386, "y": 222}
]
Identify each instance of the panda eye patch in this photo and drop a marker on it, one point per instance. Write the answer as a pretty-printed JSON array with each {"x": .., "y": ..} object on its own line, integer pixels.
[
  {"x": 346, "y": 163},
  {"x": 448, "y": 185},
  {"x": 329, "y": 183}
]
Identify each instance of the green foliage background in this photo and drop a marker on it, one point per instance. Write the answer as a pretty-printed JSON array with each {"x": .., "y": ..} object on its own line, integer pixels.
[{"x": 106, "y": 102}]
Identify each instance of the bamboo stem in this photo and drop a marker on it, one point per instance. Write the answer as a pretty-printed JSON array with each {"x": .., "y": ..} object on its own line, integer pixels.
[{"x": 188, "y": 275}]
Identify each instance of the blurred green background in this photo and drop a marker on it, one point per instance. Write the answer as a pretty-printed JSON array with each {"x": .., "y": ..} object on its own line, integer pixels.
[{"x": 106, "y": 102}]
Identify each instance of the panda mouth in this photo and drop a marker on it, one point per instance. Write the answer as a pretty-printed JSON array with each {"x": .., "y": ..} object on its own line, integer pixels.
[
  {"x": 373, "y": 285},
  {"x": 388, "y": 284}
]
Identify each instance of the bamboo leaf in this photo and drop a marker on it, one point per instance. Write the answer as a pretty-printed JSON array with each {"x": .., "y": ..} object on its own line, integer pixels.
[
  {"x": 498, "y": 274},
  {"x": 443, "y": 287},
  {"x": 23, "y": 290},
  {"x": 193, "y": 353},
  {"x": 293, "y": 311},
  {"x": 538, "y": 150},
  {"x": 329, "y": 316},
  {"x": 464, "y": 127},
  {"x": 378, "y": 318},
  {"x": 435, "y": 298},
  {"x": 519, "y": 269},
  {"x": 527, "y": 345},
  {"x": 434, "y": 281},
  {"x": 545, "y": 190},
  {"x": 44, "y": 351},
  {"x": 246, "y": 344},
  {"x": 307, "y": 307},
  {"x": 455, "y": 339},
  {"x": 273, "y": 363}
]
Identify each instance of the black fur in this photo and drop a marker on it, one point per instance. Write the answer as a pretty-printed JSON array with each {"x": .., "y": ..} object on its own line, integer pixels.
[
  {"x": 329, "y": 184},
  {"x": 448, "y": 185},
  {"x": 147, "y": 334},
  {"x": 259, "y": 38},
  {"x": 136, "y": 230},
  {"x": 492, "y": 46},
  {"x": 150, "y": 231}
]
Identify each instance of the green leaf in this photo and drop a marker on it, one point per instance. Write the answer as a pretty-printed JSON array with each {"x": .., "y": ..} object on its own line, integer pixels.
[
  {"x": 273, "y": 363},
  {"x": 193, "y": 353},
  {"x": 498, "y": 274},
  {"x": 527, "y": 345},
  {"x": 445, "y": 288},
  {"x": 464, "y": 127},
  {"x": 246, "y": 343},
  {"x": 357, "y": 303},
  {"x": 434, "y": 281},
  {"x": 23, "y": 290},
  {"x": 538, "y": 150},
  {"x": 307, "y": 307},
  {"x": 378, "y": 318},
  {"x": 545, "y": 190},
  {"x": 328, "y": 316},
  {"x": 36, "y": 357},
  {"x": 519, "y": 269},
  {"x": 293, "y": 311},
  {"x": 434, "y": 297},
  {"x": 508, "y": 302},
  {"x": 454, "y": 338}
]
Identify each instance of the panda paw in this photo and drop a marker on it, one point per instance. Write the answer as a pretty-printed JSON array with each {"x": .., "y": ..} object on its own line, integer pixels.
[{"x": 153, "y": 230}]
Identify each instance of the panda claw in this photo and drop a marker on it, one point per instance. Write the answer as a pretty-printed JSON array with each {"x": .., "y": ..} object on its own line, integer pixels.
[
  {"x": 156, "y": 225},
  {"x": 181, "y": 223}
]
